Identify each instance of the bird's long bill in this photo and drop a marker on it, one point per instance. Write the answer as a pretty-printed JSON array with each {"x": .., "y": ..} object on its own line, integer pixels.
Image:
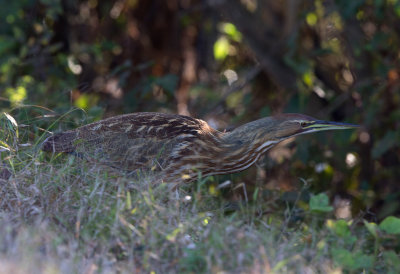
[{"x": 327, "y": 125}]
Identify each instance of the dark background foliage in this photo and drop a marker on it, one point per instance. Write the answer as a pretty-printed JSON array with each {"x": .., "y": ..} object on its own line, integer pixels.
[{"x": 334, "y": 60}]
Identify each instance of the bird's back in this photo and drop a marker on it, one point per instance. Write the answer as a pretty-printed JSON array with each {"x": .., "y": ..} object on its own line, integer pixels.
[{"x": 133, "y": 141}]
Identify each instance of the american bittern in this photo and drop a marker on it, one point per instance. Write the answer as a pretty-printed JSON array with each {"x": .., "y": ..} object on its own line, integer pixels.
[{"x": 180, "y": 147}]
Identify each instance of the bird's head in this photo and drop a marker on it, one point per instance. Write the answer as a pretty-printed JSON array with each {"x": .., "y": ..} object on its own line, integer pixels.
[
  {"x": 274, "y": 129},
  {"x": 288, "y": 125}
]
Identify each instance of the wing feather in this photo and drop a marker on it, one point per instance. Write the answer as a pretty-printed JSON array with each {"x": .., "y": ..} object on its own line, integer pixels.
[{"x": 131, "y": 141}]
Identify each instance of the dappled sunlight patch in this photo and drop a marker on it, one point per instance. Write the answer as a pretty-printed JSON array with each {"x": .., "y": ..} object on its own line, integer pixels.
[{"x": 19, "y": 93}]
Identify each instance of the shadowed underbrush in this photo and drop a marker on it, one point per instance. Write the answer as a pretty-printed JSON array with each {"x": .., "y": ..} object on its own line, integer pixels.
[{"x": 61, "y": 214}]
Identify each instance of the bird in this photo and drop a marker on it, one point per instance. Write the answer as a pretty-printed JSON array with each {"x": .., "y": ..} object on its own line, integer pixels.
[{"x": 180, "y": 148}]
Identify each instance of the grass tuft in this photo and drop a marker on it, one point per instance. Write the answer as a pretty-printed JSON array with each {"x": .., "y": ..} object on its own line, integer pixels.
[{"x": 61, "y": 214}]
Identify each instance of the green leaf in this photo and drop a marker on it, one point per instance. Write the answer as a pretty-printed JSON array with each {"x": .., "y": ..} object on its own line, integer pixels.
[
  {"x": 320, "y": 203},
  {"x": 341, "y": 228},
  {"x": 372, "y": 228},
  {"x": 231, "y": 30},
  {"x": 392, "y": 259},
  {"x": 221, "y": 48},
  {"x": 16, "y": 95},
  {"x": 168, "y": 82},
  {"x": 363, "y": 261},
  {"x": 6, "y": 44},
  {"x": 387, "y": 142},
  {"x": 352, "y": 261},
  {"x": 342, "y": 257},
  {"x": 390, "y": 225},
  {"x": 311, "y": 19},
  {"x": 86, "y": 101},
  {"x": 308, "y": 78}
]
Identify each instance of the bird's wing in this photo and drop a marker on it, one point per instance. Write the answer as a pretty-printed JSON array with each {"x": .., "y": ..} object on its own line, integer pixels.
[{"x": 131, "y": 141}]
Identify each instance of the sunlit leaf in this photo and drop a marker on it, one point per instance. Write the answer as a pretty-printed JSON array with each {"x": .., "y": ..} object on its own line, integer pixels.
[
  {"x": 213, "y": 190},
  {"x": 308, "y": 78},
  {"x": 231, "y": 30},
  {"x": 86, "y": 101},
  {"x": 221, "y": 48},
  {"x": 311, "y": 19},
  {"x": 16, "y": 95}
]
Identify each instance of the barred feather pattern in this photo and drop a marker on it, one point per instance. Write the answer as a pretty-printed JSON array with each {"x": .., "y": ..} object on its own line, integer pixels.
[{"x": 173, "y": 146}]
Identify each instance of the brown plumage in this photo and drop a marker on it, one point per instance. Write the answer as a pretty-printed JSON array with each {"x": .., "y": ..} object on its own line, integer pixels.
[{"x": 178, "y": 147}]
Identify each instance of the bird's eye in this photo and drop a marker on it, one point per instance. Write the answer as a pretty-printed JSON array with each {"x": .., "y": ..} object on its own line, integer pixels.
[{"x": 303, "y": 124}]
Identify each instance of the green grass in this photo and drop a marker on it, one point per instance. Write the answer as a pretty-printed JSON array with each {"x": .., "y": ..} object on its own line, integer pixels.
[{"x": 61, "y": 214}]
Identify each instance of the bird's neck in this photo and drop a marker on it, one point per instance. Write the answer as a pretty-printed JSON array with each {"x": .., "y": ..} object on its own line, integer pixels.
[{"x": 240, "y": 149}]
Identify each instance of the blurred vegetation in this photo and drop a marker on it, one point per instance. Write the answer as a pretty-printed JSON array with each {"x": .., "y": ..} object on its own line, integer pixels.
[{"x": 66, "y": 63}]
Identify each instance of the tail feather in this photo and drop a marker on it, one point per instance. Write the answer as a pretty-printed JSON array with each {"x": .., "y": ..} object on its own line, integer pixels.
[{"x": 60, "y": 142}]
